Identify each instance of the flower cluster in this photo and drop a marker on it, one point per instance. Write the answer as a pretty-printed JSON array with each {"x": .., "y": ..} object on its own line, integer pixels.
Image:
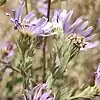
[
  {"x": 39, "y": 92},
  {"x": 41, "y": 27},
  {"x": 73, "y": 38}
]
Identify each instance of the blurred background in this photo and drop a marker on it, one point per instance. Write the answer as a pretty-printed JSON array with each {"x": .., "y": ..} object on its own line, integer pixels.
[{"x": 81, "y": 68}]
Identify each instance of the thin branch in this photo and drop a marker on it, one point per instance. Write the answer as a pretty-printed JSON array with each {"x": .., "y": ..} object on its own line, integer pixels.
[
  {"x": 26, "y": 7},
  {"x": 44, "y": 47},
  {"x": 9, "y": 66}
]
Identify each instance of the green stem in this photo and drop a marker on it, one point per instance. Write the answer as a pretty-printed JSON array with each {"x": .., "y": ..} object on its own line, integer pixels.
[
  {"x": 44, "y": 47},
  {"x": 76, "y": 97},
  {"x": 44, "y": 60},
  {"x": 9, "y": 66},
  {"x": 26, "y": 7},
  {"x": 48, "y": 12}
]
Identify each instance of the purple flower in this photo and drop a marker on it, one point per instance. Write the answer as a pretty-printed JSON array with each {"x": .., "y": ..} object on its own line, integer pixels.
[
  {"x": 41, "y": 6},
  {"x": 97, "y": 76},
  {"x": 79, "y": 28},
  {"x": 42, "y": 27},
  {"x": 17, "y": 16},
  {"x": 30, "y": 24},
  {"x": 38, "y": 27},
  {"x": 19, "y": 22},
  {"x": 90, "y": 45},
  {"x": 39, "y": 92}
]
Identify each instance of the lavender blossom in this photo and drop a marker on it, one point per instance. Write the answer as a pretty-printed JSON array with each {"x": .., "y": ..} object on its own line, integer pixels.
[
  {"x": 97, "y": 76},
  {"x": 17, "y": 16},
  {"x": 90, "y": 45},
  {"x": 41, "y": 6},
  {"x": 38, "y": 27},
  {"x": 79, "y": 27},
  {"x": 39, "y": 92},
  {"x": 42, "y": 27},
  {"x": 30, "y": 24}
]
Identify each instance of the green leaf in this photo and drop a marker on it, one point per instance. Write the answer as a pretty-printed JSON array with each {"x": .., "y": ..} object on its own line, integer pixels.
[
  {"x": 63, "y": 93},
  {"x": 66, "y": 93},
  {"x": 89, "y": 92},
  {"x": 49, "y": 81}
]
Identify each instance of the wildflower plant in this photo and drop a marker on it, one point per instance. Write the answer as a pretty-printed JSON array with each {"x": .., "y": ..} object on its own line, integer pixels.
[{"x": 67, "y": 39}]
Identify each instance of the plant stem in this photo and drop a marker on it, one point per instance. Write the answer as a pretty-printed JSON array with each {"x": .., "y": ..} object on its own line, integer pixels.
[
  {"x": 9, "y": 66},
  {"x": 26, "y": 7},
  {"x": 48, "y": 12},
  {"x": 44, "y": 47},
  {"x": 44, "y": 60}
]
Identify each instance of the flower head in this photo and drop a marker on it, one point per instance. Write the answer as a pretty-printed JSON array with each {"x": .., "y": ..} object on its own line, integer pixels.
[
  {"x": 39, "y": 92},
  {"x": 30, "y": 24},
  {"x": 38, "y": 27},
  {"x": 78, "y": 30},
  {"x": 78, "y": 26}
]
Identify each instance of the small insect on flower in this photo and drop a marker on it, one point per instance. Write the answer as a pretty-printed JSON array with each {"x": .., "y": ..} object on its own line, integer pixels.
[{"x": 97, "y": 76}]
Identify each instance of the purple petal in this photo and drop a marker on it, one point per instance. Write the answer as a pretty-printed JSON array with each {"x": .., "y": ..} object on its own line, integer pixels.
[
  {"x": 76, "y": 23},
  {"x": 82, "y": 27},
  {"x": 39, "y": 91},
  {"x": 25, "y": 97},
  {"x": 45, "y": 96},
  {"x": 63, "y": 15},
  {"x": 90, "y": 37},
  {"x": 90, "y": 45},
  {"x": 11, "y": 54},
  {"x": 48, "y": 27},
  {"x": 56, "y": 16},
  {"x": 31, "y": 28},
  {"x": 88, "y": 31},
  {"x": 69, "y": 15},
  {"x": 33, "y": 22},
  {"x": 67, "y": 21},
  {"x": 19, "y": 12},
  {"x": 37, "y": 28},
  {"x": 12, "y": 20},
  {"x": 41, "y": 22},
  {"x": 28, "y": 17},
  {"x": 43, "y": 86},
  {"x": 98, "y": 69}
]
